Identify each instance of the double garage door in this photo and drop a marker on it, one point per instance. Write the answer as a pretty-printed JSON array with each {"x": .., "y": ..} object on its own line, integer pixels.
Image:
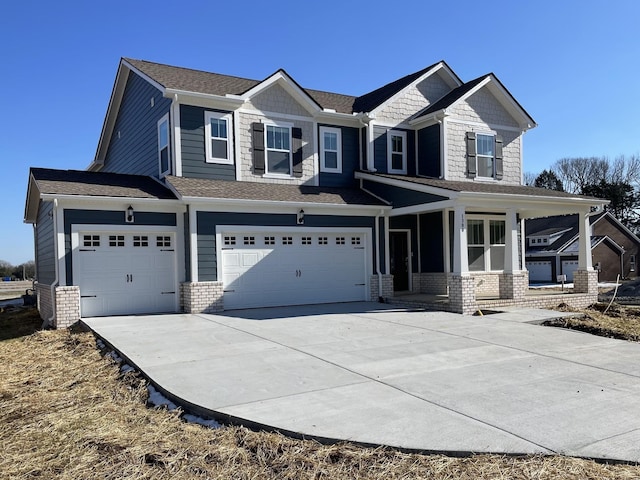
[
  {"x": 540, "y": 271},
  {"x": 125, "y": 273},
  {"x": 281, "y": 267}
]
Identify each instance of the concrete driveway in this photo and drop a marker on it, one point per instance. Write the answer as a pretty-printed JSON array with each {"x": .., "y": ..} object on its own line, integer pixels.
[{"x": 370, "y": 373}]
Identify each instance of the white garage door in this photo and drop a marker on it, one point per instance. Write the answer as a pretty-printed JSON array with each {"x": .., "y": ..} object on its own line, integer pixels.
[
  {"x": 125, "y": 273},
  {"x": 286, "y": 268},
  {"x": 539, "y": 271},
  {"x": 568, "y": 267}
]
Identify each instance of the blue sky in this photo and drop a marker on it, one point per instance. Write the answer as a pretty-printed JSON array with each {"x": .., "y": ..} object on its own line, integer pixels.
[{"x": 573, "y": 65}]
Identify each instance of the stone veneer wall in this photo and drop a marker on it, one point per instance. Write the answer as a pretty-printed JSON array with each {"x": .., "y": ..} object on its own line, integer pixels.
[
  {"x": 201, "y": 297},
  {"x": 45, "y": 302},
  {"x": 486, "y": 283},
  {"x": 435, "y": 283},
  {"x": 575, "y": 300},
  {"x": 387, "y": 287},
  {"x": 513, "y": 285},
  {"x": 67, "y": 306},
  {"x": 585, "y": 281}
]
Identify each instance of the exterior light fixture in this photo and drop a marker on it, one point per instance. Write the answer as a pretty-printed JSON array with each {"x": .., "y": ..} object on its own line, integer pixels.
[
  {"x": 301, "y": 217},
  {"x": 129, "y": 217}
]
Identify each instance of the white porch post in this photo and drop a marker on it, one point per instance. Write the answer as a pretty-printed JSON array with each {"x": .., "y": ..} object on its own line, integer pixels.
[
  {"x": 511, "y": 242},
  {"x": 584, "y": 242},
  {"x": 460, "y": 251}
]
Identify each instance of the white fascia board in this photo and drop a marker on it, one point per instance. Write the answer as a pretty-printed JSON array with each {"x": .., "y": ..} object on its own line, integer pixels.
[
  {"x": 205, "y": 100},
  {"x": 418, "y": 187},
  {"x": 422, "y": 208},
  {"x": 261, "y": 206},
  {"x": 426, "y": 74},
  {"x": 429, "y": 120},
  {"x": 143, "y": 75},
  {"x": 334, "y": 118},
  {"x": 286, "y": 82},
  {"x": 570, "y": 205},
  {"x": 33, "y": 198},
  {"x": 82, "y": 202},
  {"x": 112, "y": 112}
]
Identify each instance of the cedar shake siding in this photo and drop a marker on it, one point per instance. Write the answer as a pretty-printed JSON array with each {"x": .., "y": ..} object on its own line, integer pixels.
[
  {"x": 350, "y": 160},
  {"x": 133, "y": 147},
  {"x": 45, "y": 246},
  {"x": 192, "y": 136}
]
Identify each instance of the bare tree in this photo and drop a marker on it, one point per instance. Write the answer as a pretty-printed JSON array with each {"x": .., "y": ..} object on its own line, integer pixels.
[
  {"x": 528, "y": 178},
  {"x": 576, "y": 173}
]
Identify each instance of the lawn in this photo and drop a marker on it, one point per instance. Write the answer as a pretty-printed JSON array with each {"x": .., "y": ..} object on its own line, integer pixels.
[{"x": 68, "y": 412}]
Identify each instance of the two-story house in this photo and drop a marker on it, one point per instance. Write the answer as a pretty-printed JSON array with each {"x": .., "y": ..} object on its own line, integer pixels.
[{"x": 212, "y": 192}]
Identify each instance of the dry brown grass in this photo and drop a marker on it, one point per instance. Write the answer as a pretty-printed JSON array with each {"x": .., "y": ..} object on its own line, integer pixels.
[
  {"x": 621, "y": 322},
  {"x": 67, "y": 412}
]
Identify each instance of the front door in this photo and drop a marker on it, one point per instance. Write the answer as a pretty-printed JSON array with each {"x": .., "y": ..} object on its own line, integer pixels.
[{"x": 399, "y": 256}]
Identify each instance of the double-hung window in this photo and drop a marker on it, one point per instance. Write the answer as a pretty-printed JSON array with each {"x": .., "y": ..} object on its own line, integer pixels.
[
  {"x": 218, "y": 132},
  {"x": 330, "y": 150},
  {"x": 397, "y": 152},
  {"x": 163, "y": 145},
  {"x": 278, "y": 150},
  {"x": 485, "y": 153},
  {"x": 485, "y": 244}
]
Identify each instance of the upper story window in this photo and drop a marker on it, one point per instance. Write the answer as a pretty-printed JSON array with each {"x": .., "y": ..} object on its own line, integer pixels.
[
  {"x": 218, "y": 133},
  {"x": 397, "y": 152},
  {"x": 330, "y": 150},
  {"x": 278, "y": 148},
  {"x": 484, "y": 155},
  {"x": 163, "y": 146}
]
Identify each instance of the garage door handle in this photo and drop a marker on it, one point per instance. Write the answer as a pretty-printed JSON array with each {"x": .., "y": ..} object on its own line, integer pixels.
[
  {"x": 228, "y": 291},
  {"x": 87, "y": 249},
  {"x": 168, "y": 293},
  {"x": 88, "y": 296}
]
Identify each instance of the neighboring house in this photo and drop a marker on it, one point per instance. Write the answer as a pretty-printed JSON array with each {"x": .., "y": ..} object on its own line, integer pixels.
[
  {"x": 552, "y": 248},
  {"x": 211, "y": 192}
]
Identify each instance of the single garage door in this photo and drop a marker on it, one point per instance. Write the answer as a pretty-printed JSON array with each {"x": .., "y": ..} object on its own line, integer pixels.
[
  {"x": 285, "y": 268},
  {"x": 125, "y": 273},
  {"x": 539, "y": 271},
  {"x": 568, "y": 267}
]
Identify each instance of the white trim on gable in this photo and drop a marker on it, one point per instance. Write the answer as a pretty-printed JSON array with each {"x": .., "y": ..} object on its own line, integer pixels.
[
  {"x": 453, "y": 82},
  {"x": 283, "y": 79}
]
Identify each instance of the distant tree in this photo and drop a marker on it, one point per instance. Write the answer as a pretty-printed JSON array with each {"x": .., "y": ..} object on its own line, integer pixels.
[
  {"x": 25, "y": 270},
  {"x": 5, "y": 268},
  {"x": 625, "y": 202},
  {"x": 528, "y": 178},
  {"x": 547, "y": 179},
  {"x": 576, "y": 173}
]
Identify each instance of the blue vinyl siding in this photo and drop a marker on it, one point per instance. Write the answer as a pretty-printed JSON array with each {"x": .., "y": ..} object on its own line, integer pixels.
[
  {"x": 208, "y": 221},
  {"x": 45, "y": 245},
  {"x": 408, "y": 222},
  {"x": 106, "y": 217},
  {"x": 193, "y": 147},
  {"x": 350, "y": 160},
  {"x": 429, "y": 151},
  {"x": 135, "y": 151},
  {"x": 432, "y": 242},
  {"x": 380, "y": 149},
  {"x": 400, "y": 197}
]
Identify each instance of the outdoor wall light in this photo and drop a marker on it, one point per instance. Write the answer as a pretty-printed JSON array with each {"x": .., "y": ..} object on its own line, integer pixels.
[
  {"x": 129, "y": 217},
  {"x": 300, "y": 217}
]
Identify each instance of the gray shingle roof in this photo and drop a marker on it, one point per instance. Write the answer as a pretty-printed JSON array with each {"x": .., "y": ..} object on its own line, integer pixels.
[
  {"x": 481, "y": 187},
  {"x": 76, "y": 182},
  {"x": 223, "y": 189}
]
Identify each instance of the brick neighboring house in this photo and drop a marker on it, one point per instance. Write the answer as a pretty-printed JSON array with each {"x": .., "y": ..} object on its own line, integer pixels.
[
  {"x": 552, "y": 247},
  {"x": 211, "y": 192}
]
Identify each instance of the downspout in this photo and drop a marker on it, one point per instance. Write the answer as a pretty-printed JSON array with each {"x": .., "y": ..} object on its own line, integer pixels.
[
  {"x": 365, "y": 120},
  {"x": 377, "y": 232},
  {"x": 52, "y": 287}
]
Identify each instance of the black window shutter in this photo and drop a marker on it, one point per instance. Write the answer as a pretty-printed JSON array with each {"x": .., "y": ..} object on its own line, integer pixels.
[
  {"x": 498, "y": 157},
  {"x": 257, "y": 129},
  {"x": 471, "y": 154},
  {"x": 296, "y": 135}
]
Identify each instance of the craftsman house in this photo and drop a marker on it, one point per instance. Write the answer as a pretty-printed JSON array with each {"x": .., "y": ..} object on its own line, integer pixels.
[
  {"x": 210, "y": 192},
  {"x": 552, "y": 248}
]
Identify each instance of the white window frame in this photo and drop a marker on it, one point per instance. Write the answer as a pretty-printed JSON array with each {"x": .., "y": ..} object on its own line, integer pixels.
[
  {"x": 486, "y": 219},
  {"x": 227, "y": 117},
  {"x": 163, "y": 120},
  {"x": 323, "y": 150},
  {"x": 268, "y": 174},
  {"x": 390, "y": 152},
  {"x": 493, "y": 157}
]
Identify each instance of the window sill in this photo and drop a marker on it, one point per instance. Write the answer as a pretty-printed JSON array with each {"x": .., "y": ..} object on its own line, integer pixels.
[
  {"x": 397, "y": 172},
  {"x": 330, "y": 170},
  {"x": 278, "y": 176},
  {"x": 484, "y": 179},
  {"x": 219, "y": 161}
]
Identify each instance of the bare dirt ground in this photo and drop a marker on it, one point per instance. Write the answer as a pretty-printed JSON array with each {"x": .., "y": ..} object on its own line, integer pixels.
[{"x": 68, "y": 411}]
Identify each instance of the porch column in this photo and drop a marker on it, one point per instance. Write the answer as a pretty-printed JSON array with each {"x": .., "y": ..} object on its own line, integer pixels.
[
  {"x": 462, "y": 292},
  {"x": 513, "y": 281},
  {"x": 585, "y": 279}
]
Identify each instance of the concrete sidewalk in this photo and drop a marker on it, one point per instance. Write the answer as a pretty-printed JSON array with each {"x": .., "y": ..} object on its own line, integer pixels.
[{"x": 369, "y": 373}]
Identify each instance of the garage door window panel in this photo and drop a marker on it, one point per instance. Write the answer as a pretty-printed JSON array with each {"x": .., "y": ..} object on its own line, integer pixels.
[{"x": 116, "y": 240}]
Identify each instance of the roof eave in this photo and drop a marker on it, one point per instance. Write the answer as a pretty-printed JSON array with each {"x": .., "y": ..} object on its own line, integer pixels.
[{"x": 242, "y": 201}]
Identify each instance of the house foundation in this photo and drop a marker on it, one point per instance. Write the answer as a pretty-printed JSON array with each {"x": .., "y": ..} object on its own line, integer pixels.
[
  {"x": 67, "y": 306},
  {"x": 585, "y": 281},
  {"x": 462, "y": 294},
  {"x": 201, "y": 297}
]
